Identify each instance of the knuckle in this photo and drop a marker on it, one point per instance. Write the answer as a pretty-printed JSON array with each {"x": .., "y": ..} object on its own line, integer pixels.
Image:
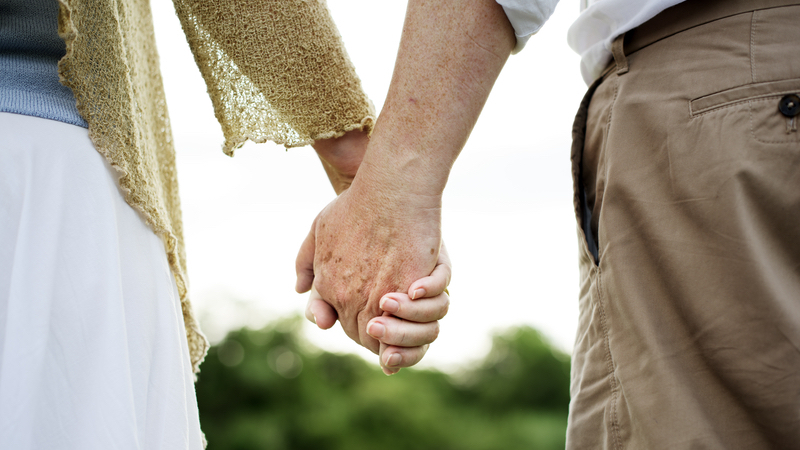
[
  {"x": 412, "y": 357},
  {"x": 402, "y": 337},
  {"x": 338, "y": 297},
  {"x": 435, "y": 331},
  {"x": 445, "y": 307}
]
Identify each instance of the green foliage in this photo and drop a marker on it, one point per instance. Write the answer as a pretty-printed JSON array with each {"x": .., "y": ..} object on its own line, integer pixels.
[
  {"x": 535, "y": 376},
  {"x": 268, "y": 389}
]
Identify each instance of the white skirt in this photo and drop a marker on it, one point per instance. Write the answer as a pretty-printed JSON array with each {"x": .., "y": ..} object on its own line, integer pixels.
[{"x": 93, "y": 353}]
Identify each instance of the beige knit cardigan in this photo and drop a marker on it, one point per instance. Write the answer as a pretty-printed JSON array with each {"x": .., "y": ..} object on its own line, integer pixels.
[{"x": 275, "y": 70}]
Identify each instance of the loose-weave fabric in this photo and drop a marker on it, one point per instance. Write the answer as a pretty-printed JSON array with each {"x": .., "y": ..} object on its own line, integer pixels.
[{"x": 275, "y": 71}]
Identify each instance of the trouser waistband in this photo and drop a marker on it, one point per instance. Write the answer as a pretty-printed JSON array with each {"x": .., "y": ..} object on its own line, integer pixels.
[{"x": 689, "y": 14}]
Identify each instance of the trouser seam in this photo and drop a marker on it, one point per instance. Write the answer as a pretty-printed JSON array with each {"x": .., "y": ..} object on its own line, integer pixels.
[
  {"x": 612, "y": 382},
  {"x": 753, "y": 25},
  {"x": 599, "y": 194}
]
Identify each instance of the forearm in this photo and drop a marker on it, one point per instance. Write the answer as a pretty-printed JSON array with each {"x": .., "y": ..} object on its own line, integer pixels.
[
  {"x": 449, "y": 58},
  {"x": 384, "y": 232}
]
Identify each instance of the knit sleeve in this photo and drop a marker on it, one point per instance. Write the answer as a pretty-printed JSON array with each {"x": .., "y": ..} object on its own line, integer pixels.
[{"x": 275, "y": 70}]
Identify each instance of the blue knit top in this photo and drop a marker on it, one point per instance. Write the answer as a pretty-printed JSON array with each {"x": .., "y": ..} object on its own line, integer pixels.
[{"x": 29, "y": 52}]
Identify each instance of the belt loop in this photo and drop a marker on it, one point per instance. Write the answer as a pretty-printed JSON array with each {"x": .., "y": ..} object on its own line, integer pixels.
[{"x": 618, "y": 51}]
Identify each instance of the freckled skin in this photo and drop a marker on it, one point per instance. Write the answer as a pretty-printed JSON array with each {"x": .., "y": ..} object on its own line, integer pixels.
[
  {"x": 384, "y": 232},
  {"x": 358, "y": 261}
]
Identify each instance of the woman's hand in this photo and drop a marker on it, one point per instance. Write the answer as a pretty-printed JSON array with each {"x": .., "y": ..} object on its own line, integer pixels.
[
  {"x": 410, "y": 322},
  {"x": 341, "y": 157}
]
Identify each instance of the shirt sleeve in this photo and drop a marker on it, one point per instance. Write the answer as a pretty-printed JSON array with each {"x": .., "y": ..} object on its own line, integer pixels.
[
  {"x": 275, "y": 70},
  {"x": 527, "y": 17}
]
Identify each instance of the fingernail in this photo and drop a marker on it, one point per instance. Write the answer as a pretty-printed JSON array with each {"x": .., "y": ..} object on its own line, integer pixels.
[
  {"x": 314, "y": 319},
  {"x": 418, "y": 293},
  {"x": 387, "y": 372},
  {"x": 390, "y": 305},
  {"x": 376, "y": 330},
  {"x": 393, "y": 360}
]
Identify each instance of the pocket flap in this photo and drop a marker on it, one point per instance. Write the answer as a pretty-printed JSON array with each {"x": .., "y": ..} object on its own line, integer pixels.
[{"x": 743, "y": 94}]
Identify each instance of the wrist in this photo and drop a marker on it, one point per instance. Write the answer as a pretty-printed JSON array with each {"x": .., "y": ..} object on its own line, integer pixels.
[
  {"x": 342, "y": 156},
  {"x": 398, "y": 185},
  {"x": 408, "y": 164}
]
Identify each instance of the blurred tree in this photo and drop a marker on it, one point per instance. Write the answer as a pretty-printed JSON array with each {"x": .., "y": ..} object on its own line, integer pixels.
[
  {"x": 269, "y": 389},
  {"x": 534, "y": 375}
]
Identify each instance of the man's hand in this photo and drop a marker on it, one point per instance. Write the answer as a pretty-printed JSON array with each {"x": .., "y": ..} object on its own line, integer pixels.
[
  {"x": 403, "y": 342},
  {"x": 409, "y": 323},
  {"x": 363, "y": 245},
  {"x": 383, "y": 233}
]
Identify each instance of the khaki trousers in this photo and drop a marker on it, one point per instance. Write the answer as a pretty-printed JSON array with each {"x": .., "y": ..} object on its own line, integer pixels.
[{"x": 687, "y": 179}]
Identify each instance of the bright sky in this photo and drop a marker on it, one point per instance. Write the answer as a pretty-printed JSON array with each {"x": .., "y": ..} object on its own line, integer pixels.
[{"x": 508, "y": 218}]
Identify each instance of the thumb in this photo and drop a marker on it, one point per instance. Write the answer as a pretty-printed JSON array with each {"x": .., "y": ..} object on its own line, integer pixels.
[
  {"x": 319, "y": 311},
  {"x": 304, "y": 264}
]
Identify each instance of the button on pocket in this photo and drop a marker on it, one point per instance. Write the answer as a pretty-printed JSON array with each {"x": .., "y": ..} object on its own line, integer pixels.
[
  {"x": 789, "y": 105},
  {"x": 756, "y": 104}
]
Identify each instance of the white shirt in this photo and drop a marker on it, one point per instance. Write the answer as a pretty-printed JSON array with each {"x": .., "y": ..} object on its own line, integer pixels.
[
  {"x": 527, "y": 17},
  {"x": 592, "y": 33}
]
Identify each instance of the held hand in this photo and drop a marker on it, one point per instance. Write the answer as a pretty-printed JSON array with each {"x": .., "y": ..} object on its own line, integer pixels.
[
  {"x": 408, "y": 325},
  {"x": 410, "y": 321},
  {"x": 363, "y": 245}
]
